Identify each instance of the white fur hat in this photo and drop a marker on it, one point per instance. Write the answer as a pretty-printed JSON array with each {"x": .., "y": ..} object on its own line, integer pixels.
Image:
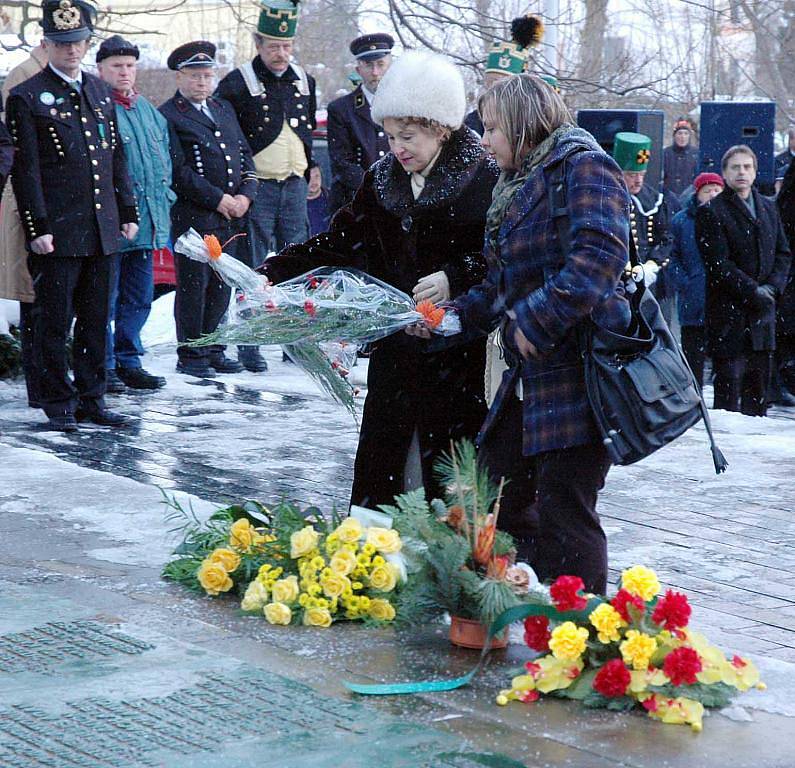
[{"x": 421, "y": 84}]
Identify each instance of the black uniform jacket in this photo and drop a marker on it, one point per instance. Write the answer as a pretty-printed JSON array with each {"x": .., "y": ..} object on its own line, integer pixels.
[
  {"x": 355, "y": 142},
  {"x": 290, "y": 97},
  {"x": 741, "y": 253},
  {"x": 211, "y": 158},
  {"x": 69, "y": 175}
]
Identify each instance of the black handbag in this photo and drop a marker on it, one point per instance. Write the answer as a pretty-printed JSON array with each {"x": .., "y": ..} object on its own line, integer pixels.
[{"x": 641, "y": 389}]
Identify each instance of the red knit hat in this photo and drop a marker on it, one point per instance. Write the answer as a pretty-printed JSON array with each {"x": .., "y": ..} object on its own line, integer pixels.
[{"x": 707, "y": 178}]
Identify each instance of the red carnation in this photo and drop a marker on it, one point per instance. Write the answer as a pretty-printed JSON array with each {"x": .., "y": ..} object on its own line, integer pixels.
[
  {"x": 612, "y": 679},
  {"x": 313, "y": 281},
  {"x": 536, "y": 632},
  {"x": 672, "y": 611},
  {"x": 564, "y": 593},
  {"x": 309, "y": 308},
  {"x": 682, "y": 665},
  {"x": 622, "y": 600}
]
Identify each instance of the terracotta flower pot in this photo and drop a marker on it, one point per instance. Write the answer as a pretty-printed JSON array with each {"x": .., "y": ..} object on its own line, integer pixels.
[{"x": 468, "y": 633}]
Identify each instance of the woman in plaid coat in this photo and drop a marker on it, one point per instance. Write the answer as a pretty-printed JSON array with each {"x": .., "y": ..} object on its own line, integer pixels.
[{"x": 540, "y": 432}]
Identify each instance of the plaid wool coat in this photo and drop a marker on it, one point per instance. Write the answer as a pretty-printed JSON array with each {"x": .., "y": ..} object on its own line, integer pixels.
[{"x": 551, "y": 291}]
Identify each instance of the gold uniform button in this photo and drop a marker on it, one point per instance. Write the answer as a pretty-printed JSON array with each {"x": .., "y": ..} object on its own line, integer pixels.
[
  {"x": 98, "y": 206},
  {"x": 223, "y": 146},
  {"x": 96, "y": 191},
  {"x": 96, "y": 177},
  {"x": 95, "y": 162},
  {"x": 91, "y": 147},
  {"x": 293, "y": 122},
  {"x": 226, "y": 157},
  {"x": 88, "y": 133},
  {"x": 229, "y": 170}
]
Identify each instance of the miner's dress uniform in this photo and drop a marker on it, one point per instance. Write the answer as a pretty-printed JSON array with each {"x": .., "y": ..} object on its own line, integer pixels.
[
  {"x": 70, "y": 181},
  {"x": 211, "y": 158},
  {"x": 355, "y": 142}
]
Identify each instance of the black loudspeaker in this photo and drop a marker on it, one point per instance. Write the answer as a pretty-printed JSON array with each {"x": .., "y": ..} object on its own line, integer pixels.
[
  {"x": 604, "y": 124},
  {"x": 726, "y": 123}
]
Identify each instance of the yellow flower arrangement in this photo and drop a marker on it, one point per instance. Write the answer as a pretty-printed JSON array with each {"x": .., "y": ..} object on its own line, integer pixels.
[
  {"x": 304, "y": 541},
  {"x": 333, "y": 584},
  {"x": 568, "y": 641},
  {"x": 343, "y": 562},
  {"x": 640, "y": 581},
  {"x": 380, "y": 610},
  {"x": 255, "y": 597},
  {"x": 214, "y": 578},
  {"x": 242, "y": 535},
  {"x": 349, "y": 531},
  {"x": 637, "y": 649},
  {"x": 226, "y": 558},
  {"x": 383, "y": 577},
  {"x": 286, "y": 590},
  {"x": 607, "y": 621},
  {"x": 317, "y": 617},
  {"x": 278, "y": 613},
  {"x": 384, "y": 540}
]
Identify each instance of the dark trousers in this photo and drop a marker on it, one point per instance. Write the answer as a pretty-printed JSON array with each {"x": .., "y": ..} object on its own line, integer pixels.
[
  {"x": 132, "y": 289},
  {"x": 200, "y": 302},
  {"x": 557, "y": 523},
  {"x": 741, "y": 383},
  {"x": 694, "y": 345},
  {"x": 66, "y": 289},
  {"x": 27, "y": 337}
]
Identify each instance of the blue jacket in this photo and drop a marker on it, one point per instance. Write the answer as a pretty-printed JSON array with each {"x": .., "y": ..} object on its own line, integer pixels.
[
  {"x": 552, "y": 291},
  {"x": 144, "y": 135},
  {"x": 686, "y": 266}
]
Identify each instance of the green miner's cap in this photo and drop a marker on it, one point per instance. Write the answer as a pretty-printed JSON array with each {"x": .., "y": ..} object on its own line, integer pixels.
[
  {"x": 632, "y": 151},
  {"x": 511, "y": 57},
  {"x": 278, "y": 19}
]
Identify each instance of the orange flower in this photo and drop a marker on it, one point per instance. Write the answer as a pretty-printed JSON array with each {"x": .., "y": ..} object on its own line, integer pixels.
[
  {"x": 484, "y": 545},
  {"x": 213, "y": 246},
  {"x": 432, "y": 314}
]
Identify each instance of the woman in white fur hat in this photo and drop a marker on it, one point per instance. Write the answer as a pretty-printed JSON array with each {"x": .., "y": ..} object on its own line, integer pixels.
[{"x": 416, "y": 222}]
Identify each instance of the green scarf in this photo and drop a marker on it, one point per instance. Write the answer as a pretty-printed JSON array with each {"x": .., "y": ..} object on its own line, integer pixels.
[{"x": 510, "y": 182}]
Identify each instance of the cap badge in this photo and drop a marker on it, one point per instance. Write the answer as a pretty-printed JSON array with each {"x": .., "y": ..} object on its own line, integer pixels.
[
  {"x": 643, "y": 157},
  {"x": 46, "y": 98},
  {"x": 67, "y": 16}
]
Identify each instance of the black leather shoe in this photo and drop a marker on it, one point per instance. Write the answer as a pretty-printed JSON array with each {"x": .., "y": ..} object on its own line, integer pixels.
[
  {"x": 252, "y": 360},
  {"x": 102, "y": 416},
  {"x": 224, "y": 364},
  {"x": 198, "y": 368},
  {"x": 63, "y": 423},
  {"x": 138, "y": 378},
  {"x": 113, "y": 384}
]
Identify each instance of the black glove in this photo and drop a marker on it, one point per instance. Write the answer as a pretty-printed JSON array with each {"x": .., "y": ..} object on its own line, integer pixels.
[{"x": 765, "y": 295}]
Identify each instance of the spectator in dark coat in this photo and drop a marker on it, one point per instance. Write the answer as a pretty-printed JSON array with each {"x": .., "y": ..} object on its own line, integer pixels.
[
  {"x": 417, "y": 223},
  {"x": 688, "y": 274},
  {"x": 783, "y": 391},
  {"x": 742, "y": 241},
  {"x": 783, "y": 159},
  {"x": 680, "y": 160}
]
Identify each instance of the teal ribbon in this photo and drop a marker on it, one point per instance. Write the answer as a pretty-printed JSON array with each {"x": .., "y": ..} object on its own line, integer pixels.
[{"x": 511, "y": 615}]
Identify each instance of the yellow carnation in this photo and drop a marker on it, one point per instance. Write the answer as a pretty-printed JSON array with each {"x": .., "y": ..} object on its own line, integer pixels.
[
  {"x": 242, "y": 535},
  {"x": 343, "y": 562},
  {"x": 286, "y": 590},
  {"x": 317, "y": 617},
  {"x": 383, "y": 578},
  {"x": 226, "y": 558},
  {"x": 278, "y": 613},
  {"x": 380, "y": 610},
  {"x": 349, "y": 531},
  {"x": 304, "y": 541},
  {"x": 641, "y": 582},
  {"x": 333, "y": 584},
  {"x": 607, "y": 621},
  {"x": 637, "y": 649},
  {"x": 385, "y": 540},
  {"x": 641, "y": 679},
  {"x": 557, "y": 674},
  {"x": 568, "y": 641},
  {"x": 213, "y": 578},
  {"x": 255, "y": 598}
]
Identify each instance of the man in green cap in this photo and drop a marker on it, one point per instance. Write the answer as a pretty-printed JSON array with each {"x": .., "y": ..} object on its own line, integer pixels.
[
  {"x": 650, "y": 217},
  {"x": 275, "y": 103}
]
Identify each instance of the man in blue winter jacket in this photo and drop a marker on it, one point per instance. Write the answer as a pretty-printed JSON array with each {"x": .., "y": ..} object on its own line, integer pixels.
[{"x": 144, "y": 135}]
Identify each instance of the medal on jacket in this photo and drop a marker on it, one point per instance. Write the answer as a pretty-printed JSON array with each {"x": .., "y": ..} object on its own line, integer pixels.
[{"x": 101, "y": 131}]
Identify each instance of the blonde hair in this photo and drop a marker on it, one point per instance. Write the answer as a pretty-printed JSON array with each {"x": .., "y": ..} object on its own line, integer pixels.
[
  {"x": 526, "y": 109},
  {"x": 434, "y": 126}
]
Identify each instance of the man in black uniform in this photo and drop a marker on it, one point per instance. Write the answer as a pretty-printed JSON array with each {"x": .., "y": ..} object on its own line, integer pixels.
[
  {"x": 6, "y": 154},
  {"x": 75, "y": 201},
  {"x": 215, "y": 183},
  {"x": 355, "y": 142}
]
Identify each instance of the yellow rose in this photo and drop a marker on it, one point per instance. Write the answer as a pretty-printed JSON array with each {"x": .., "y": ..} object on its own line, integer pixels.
[
  {"x": 383, "y": 578},
  {"x": 241, "y": 535},
  {"x": 278, "y": 613},
  {"x": 304, "y": 541},
  {"x": 226, "y": 558},
  {"x": 381, "y": 610},
  {"x": 607, "y": 621},
  {"x": 334, "y": 584},
  {"x": 343, "y": 562},
  {"x": 349, "y": 531},
  {"x": 256, "y": 596},
  {"x": 385, "y": 540},
  {"x": 637, "y": 649},
  {"x": 214, "y": 578},
  {"x": 641, "y": 582},
  {"x": 286, "y": 590},
  {"x": 568, "y": 641},
  {"x": 317, "y": 617}
]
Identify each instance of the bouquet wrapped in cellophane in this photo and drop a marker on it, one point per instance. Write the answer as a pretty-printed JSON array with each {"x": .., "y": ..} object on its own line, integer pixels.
[{"x": 327, "y": 305}]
